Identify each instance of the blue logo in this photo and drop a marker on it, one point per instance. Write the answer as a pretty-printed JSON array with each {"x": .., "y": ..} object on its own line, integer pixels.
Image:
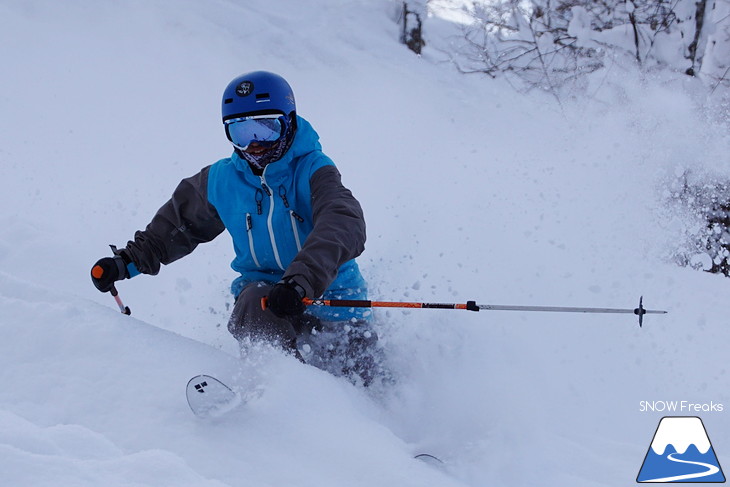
[{"x": 680, "y": 452}]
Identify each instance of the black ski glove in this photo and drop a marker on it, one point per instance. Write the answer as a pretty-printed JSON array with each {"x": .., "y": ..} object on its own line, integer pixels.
[
  {"x": 107, "y": 271},
  {"x": 285, "y": 298}
]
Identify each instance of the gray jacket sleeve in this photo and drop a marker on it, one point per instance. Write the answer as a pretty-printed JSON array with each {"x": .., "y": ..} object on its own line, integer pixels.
[
  {"x": 182, "y": 223},
  {"x": 338, "y": 234}
]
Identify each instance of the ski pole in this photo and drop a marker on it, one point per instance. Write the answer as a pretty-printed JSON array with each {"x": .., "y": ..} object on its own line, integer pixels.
[
  {"x": 124, "y": 309},
  {"x": 472, "y": 306}
]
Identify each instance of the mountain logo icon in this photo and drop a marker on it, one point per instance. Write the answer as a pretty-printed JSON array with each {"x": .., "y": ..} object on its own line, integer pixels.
[{"x": 680, "y": 452}]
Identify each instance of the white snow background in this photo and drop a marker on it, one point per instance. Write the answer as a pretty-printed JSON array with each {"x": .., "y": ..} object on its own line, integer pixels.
[{"x": 471, "y": 191}]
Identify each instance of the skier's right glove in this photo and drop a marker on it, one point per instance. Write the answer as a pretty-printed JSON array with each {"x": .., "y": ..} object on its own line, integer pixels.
[
  {"x": 285, "y": 298},
  {"x": 107, "y": 271}
]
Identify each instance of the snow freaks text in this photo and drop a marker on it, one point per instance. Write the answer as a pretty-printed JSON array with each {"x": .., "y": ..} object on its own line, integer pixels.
[{"x": 680, "y": 407}]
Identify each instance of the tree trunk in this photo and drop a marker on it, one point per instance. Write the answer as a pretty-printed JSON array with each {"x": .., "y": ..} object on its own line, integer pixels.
[{"x": 697, "y": 46}]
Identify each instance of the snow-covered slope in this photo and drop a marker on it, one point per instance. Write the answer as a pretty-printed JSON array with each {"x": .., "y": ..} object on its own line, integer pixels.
[{"x": 471, "y": 191}]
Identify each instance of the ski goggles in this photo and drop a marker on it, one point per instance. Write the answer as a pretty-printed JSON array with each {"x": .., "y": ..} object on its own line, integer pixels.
[{"x": 265, "y": 130}]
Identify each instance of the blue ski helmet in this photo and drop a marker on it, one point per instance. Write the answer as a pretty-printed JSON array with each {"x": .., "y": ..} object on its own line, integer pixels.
[{"x": 257, "y": 93}]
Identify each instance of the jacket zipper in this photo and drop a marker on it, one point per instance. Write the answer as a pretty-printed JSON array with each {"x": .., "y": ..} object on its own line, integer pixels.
[
  {"x": 282, "y": 195},
  {"x": 270, "y": 220},
  {"x": 259, "y": 199},
  {"x": 249, "y": 226},
  {"x": 294, "y": 217}
]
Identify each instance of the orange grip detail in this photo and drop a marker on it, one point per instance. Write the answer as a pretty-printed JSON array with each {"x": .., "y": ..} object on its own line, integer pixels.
[{"x": 97, "y": 272}]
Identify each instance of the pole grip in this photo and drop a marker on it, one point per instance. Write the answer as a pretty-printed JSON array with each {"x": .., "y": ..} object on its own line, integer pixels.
[{"x": 338, "y": 303}]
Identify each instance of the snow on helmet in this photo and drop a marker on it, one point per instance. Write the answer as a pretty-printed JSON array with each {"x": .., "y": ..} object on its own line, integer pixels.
[{"x": 257, "y": 93}]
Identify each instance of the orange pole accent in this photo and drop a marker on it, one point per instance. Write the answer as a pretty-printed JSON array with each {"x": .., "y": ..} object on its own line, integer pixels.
[{"x": 97, "y": 272}]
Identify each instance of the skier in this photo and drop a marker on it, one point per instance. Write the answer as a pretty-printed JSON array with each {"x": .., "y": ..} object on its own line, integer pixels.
[{"x": 296, "y": 231}]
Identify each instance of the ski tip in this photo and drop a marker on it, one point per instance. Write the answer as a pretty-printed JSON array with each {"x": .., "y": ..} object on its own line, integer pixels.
[
  {"x": 430, "y": 459},
  {"x": 210, "y": 398}
]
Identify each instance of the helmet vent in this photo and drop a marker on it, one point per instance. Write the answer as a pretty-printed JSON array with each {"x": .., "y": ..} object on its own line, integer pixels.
[
  {"x": 262, "y": 97},
  {"x": 228, "y": 100}
]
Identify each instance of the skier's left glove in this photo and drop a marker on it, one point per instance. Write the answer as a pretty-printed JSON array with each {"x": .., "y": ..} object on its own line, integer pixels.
[
  {"x": 107, "y": 271},
  {"x": 285, "y": 298}
]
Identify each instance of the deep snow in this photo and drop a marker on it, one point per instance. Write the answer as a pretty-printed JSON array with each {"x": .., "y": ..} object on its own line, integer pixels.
[{"x": 471, "y": 191}]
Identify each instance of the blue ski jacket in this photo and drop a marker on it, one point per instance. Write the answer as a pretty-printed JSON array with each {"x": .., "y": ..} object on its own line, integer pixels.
[{"x": 294, "y": 220}]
